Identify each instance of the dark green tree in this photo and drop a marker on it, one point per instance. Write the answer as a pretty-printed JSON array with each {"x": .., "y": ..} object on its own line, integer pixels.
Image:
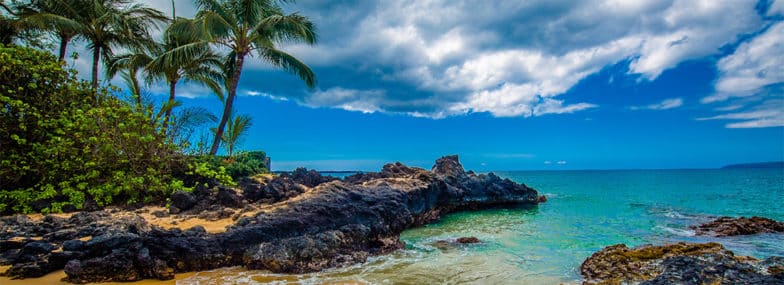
[
  {"x": 158, "y": 65},
  {"x": 108, "y": 24},
  {"x": 64, "y": 143},
  {"x": 61, "y": 17}
]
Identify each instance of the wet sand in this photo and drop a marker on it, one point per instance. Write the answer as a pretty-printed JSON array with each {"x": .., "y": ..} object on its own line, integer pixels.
[{"x": 55, "y": 278}]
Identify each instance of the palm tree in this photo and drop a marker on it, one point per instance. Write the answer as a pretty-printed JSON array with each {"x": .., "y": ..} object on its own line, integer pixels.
[
  {"x": 59, "y": 16},
  {"x": 248, "y": 28},
  {"x": 157, "y": 64},
  {"x": 117, "y": 23},
  {"x": 9, "y": 30},
  {"x": 235, "y": 130}
]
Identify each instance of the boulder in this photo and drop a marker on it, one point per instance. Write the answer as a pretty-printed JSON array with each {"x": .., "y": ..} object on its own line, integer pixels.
[
  {"x": 183, "y": 200},
  {"x": 728, "y": 226},
  {"x": 681, "y": 263}
]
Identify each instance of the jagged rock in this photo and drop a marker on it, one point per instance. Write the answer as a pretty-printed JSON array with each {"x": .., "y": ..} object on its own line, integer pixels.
[
  {"x": 279, "y": 189},
  {"x": 229, "y": 198},
  {"x": 335, "y": 223},
  {"x": 310, "y": 178},
  {"x": 183, "y": 200},
  {"x": 681, "y": 263},
  {"x": 727, "y": 226}
]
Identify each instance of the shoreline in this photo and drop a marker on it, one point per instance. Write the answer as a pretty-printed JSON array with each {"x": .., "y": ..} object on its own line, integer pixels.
[
  {"x": 141, "y": 232},
  {"x": 289, "y": 224}
]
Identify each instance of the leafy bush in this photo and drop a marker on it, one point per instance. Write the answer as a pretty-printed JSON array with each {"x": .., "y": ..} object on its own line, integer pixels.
[
  {"x": 240, "y": 165},
  {"x": 64, "y": 144},
  {"x": 247, "y": 164}
]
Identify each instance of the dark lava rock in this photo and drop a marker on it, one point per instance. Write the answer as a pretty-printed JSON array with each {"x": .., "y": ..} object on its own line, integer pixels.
[
  {"x": 727, "y": 226},
  {"x": 310, "y": 178},
  {"x": 681, "y": 263},
  {"x": 183, "y": 200},
  {"x": 335, "y": 223},
  {"x": 452, "y": 244},
  {"x": 281, "y": 188},
  {"x": 229, "y": 198},
  {"x": 468, "y": 240}
]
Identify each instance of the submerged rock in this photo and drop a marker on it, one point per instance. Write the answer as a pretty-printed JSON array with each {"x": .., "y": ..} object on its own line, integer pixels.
[
  {"x": 468, "y": 240},
  {"x": 303, "y": 229},
  {"x": 727, "y": 226},
  {"x": 451, "y": 244},
  {"x": 681, "y": 263}
]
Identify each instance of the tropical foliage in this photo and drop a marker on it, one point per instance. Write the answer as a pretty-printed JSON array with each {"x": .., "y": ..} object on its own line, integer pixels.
[
  {"x": 69, "y": 144},
  {"x": 235, "y": 130},
  {"x": 65, "y": 143},
  {"x": 203, "y": 67},
  {"x": 248, "y": 28}
]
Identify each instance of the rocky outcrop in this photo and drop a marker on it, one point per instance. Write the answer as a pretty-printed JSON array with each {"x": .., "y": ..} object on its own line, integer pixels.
[
  {"x": 310, "y": 178},
  {"x": 333, "y": 223},
  {"x": 681, "y": 263},
  {"x": 282, "y": 187},
  {"x": 727, "y": 226}
]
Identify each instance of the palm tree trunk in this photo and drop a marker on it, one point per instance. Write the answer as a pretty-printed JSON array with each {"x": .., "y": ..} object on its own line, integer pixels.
[
  {"x": 137, "y": 96},
  {"x": 96, "y": 60},
  {"x": 172, "y": 90},
  {"x": 227, "y": 107},
  {"x": 64, "y": 46}
]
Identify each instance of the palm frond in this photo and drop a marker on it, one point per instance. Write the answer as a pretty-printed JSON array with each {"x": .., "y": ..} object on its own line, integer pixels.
[{"x": 289, "y": 63}]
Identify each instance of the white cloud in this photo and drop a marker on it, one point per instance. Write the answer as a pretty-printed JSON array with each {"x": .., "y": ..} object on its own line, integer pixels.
[
  {"x": 265, "y": 94},
  {"x": 752, "y": 66},
  {"x": 510, "y": 57},
  {"x": 768, "y": 114},
  {"x": 753, "y": 78},
  {"x": 663, "y": 105},
  {"x": 364, "y": 101},
  {"x": 776, "y": 8}
]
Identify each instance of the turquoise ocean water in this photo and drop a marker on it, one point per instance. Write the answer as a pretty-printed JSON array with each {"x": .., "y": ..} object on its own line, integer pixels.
[{"x": 545, "y": 244}]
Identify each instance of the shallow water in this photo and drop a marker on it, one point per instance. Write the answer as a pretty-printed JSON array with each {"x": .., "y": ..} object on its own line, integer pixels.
[{"x": 545, "y": 244}]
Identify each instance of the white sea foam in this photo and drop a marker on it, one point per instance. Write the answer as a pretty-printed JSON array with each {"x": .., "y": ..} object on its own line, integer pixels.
[{"x": 678, "y": 232}]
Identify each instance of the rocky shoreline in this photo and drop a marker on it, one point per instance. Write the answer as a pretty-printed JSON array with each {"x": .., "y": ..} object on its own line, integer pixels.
[
  {"x": 289, "y": 224},
  {"x": 681, "y": 263},
  {"x": 305, "y": 222}
]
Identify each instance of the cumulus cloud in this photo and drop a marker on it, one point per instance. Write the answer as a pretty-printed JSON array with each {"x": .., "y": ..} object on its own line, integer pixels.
[
  {"x": 753, "y": 78},
  {"x": 663, "y": 105},
  {"x": 508, "y": 58},
  {"x": 514, "y": 58},
  {"x": 752, "y": 66},
  {"x": 776, "y": 8}
]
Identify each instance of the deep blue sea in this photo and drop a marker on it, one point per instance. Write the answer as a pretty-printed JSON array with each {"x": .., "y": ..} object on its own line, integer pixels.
[{"x": 585, "y": 211}]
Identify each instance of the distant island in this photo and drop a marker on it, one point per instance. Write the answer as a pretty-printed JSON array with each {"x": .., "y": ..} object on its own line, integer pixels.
[{"x": 769, "y": 164}]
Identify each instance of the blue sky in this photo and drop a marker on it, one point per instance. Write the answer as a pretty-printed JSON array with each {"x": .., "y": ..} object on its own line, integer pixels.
[{"x": 513, "y": 85}]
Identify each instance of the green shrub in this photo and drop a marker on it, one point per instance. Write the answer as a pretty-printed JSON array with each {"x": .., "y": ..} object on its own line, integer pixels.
[
  {"x": 235, "y": 167},
  {"x": 64, "y": 143},
  {"x": 247, "y": 164}
]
